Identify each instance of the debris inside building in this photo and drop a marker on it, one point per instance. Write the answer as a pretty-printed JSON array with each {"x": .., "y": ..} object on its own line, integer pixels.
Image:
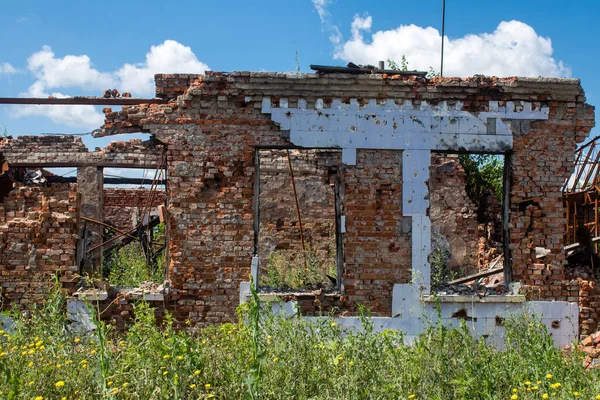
[{"x": 330, "y": 190}]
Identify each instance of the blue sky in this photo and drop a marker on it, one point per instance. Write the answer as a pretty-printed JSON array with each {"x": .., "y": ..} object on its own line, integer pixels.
[{"x": 264, "y": 35}]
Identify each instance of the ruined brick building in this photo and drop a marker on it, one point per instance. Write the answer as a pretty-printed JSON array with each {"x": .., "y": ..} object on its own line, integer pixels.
[{"x": 369, "y": 194}]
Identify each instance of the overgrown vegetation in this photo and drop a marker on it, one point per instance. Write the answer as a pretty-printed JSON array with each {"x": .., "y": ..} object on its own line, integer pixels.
[
  {"x": 299, "y": 269},
  {"x": 129, "y": 265},
  {"x": 280, "y": 358},
  {"x": 440, "y": 273},
  {"x": 485, "y": 172}
]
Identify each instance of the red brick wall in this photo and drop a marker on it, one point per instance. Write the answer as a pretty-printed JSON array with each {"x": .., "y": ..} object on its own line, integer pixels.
[
  {"x": 38, "y": 239},
  {"x": 123, "y": 207}
]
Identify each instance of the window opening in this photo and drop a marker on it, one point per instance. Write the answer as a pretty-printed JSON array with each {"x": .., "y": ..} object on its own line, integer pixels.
[
  {"x": 299, "y": 238},
  {"x": 467, "y": 212}
]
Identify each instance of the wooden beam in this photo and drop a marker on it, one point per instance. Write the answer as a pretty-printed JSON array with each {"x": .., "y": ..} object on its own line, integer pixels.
[{"x": 477, "y": 276}]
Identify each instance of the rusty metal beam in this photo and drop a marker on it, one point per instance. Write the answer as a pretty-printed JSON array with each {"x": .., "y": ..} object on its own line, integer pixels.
[{"x": 81, "y": 100}]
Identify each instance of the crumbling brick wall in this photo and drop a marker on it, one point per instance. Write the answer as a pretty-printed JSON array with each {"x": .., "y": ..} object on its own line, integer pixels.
[
  {"x": 38, "y": 242},
  {"x": 453, "y": 214},
  {"x": 123, "y": 207},
  {"x": 315, "y": 174},
  {"x": 211, "y": 130}
]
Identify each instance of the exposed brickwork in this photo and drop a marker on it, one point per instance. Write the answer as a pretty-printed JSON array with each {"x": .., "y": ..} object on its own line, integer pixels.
[
  {"x": 213, "y": 127},
  {"x": 57, "y": 151},
  {"x": 123, "y": 207},
  {"x": 38, "y": 239}
]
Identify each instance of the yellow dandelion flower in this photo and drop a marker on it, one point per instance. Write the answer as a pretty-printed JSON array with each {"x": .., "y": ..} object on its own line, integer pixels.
[
  {"x": 166, "y": 356},
  {"x": 333, "y": 324},
  {"x": 412, "y": 396},
  {"x": 59, "y": 384},
  {"x": 275, "y": 359},
  {"x": 125, "y": 384},
  {"x": 539, "y": 382},
  {"x": 351, "y": 363},
  {"x": 548, "y": 376},
  {"x": 77, "y": 340},
  {"x": 166, "y": 372},
  {"x": 39, "y": 398},
  {"x": 63, "y": 398},
  {"x": 38, "y": 344},
  {"x": 207, "y": 385},
  {"x": 534, "y": 387},
  {"x": 576, "y": 394},
  {"x": 42, "y": 347},
  {"x": 180, "y": 358},
  {"x": 30, "y": 364},
  {"x": 210, "y": 396},
  {"x": 31, "y": 351},
  {"x": 545, "y": 396},
  {"x": 58, "y": 365},
  {"x": 527, "y": 383},
  {"x": 31, "y": 383},
  {"x": 514, "y": 397},
  {"x": 197, "y": 372},
  {"x": 93, "y": 352},
  {"x": 193, "y": 385},
  {"x": 515, "y": 390},
  {"x": 109, "y": 383},
  {"x": 3, "y": 354}
]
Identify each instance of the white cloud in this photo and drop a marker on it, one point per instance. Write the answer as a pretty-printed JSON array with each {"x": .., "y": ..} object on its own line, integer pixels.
[
  {"x": 168, "y": 57},
  {"x": 78, "y": 71},
  {"x": 68, "y": 71},
  {"x": 335, "y": 36},
  {"x": 514, "y": 48},
  {"x": 7, "y": 69}
]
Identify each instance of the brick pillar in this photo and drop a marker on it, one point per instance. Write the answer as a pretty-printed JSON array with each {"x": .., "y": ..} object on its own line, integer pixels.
[{"x": 90, "y": 182}]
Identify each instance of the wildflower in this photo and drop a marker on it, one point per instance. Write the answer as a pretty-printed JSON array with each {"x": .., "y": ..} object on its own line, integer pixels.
[
  {"x": 125, "y": 384},
  {"x": 38, "y": 344},
  {"x": 534, "y": 387},
  {"x": 197, "y": 372},
  {"x": 77, "y": 340},
  {"x": 42, "y": 347},
  {"x": 412, "y": 396},
  {"x": 180, "y": 358},
  {"x": 275, "y": 359},
  {"x": 545, "y": 396},
  {"x": 3, "y": 354},
  {"x": 210, "y": 395},
  {"x": 515, "y": 390},
  {"x": 333, "y": 324},
  {"x": 539, "y": 382},
  {"x": 527, "y": 383},
  {"x": 548, "y": 376},
  {"x": 59, "y": 384},
  {"x": 30, "y": 364},
  {"x": 351, "y": 363},
  {"x": 514, "y": 397},
  {"x": 109, "y": 383},
  {"x": 39, "y": 398},
  {"x": 598, "y": 397},
  {"x": 165, "y": 372},
  {"x": 58, "y": 365},
  {"x": 576, "y": 394},
  {"x": 93, "y": 352},
  {"x": 166, "y": 356},
  {"x": 31, "y": 351},
  {"x": 555, "y": 385},
  {"x": 31, "y": 383},
  {"x": 207, "y": 385},
  {"x": 193, "y": 385}
]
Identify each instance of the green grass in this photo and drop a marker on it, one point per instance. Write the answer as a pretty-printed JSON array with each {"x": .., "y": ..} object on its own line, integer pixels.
[{"x": 272, "y": 357}]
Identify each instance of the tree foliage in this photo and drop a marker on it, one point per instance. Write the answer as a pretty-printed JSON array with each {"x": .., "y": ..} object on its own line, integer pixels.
[{"x": 485, "y": 172}]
